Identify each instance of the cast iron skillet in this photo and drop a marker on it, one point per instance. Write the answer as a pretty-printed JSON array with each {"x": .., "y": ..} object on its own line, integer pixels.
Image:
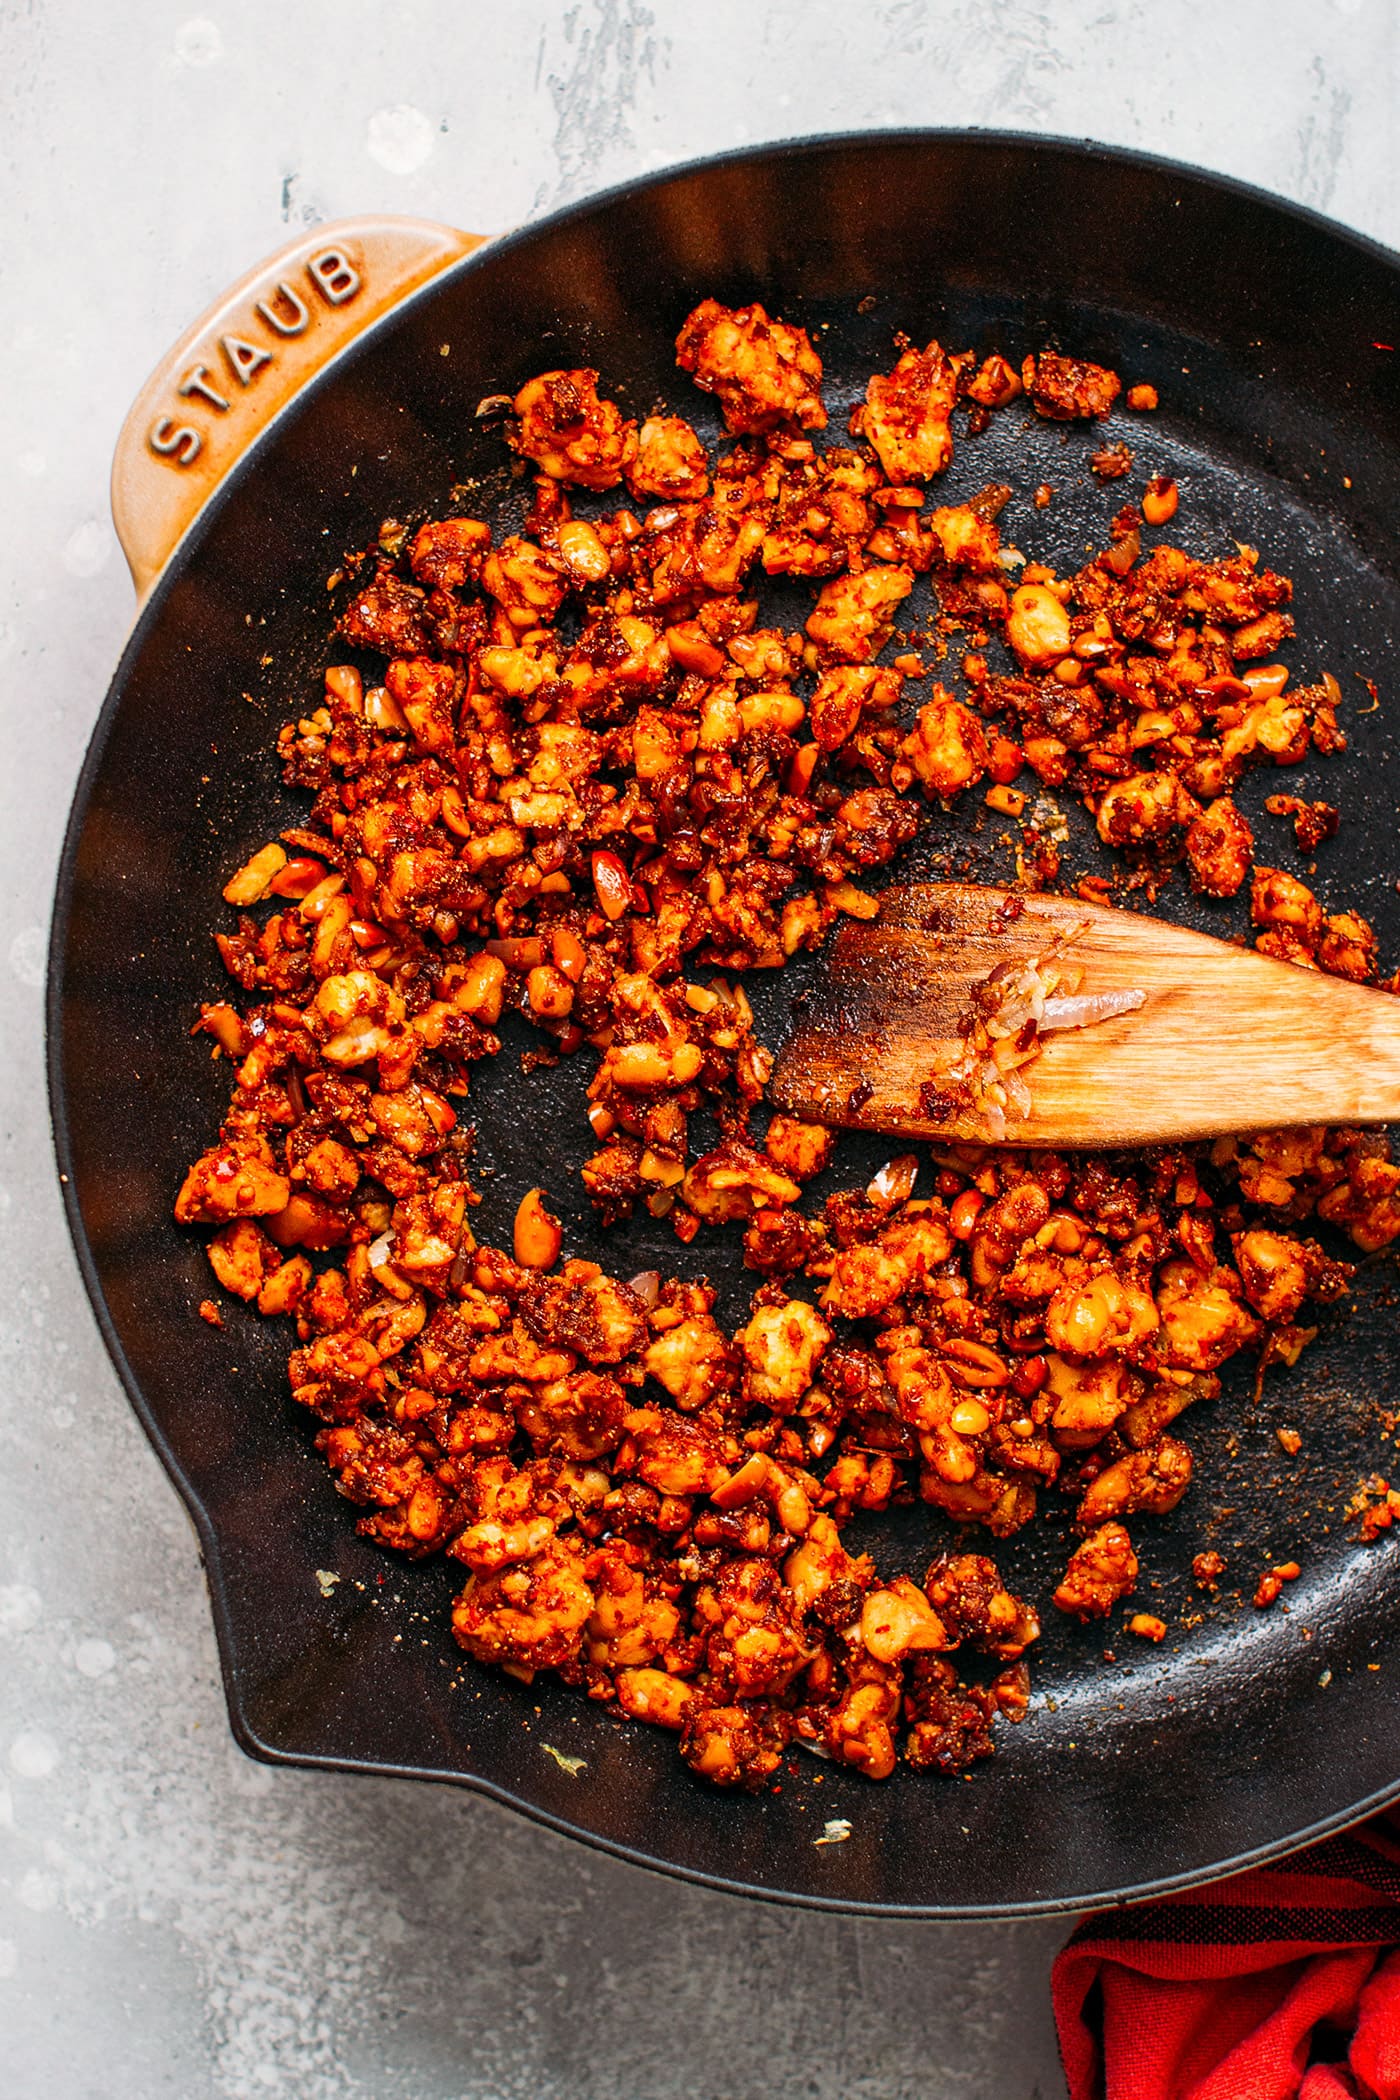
[{"x": 1269, "y": 334}]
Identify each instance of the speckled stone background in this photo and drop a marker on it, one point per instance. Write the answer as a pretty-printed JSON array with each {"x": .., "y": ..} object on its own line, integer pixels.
[{"x": 173, "y": 1919}]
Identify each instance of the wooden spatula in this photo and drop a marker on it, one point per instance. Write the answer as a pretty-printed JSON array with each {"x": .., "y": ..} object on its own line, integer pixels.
[{"x": 1222, "y": 1039}]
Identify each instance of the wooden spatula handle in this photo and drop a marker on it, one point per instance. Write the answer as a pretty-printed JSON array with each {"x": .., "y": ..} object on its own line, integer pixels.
[{"x": 1227, "y": 1040}]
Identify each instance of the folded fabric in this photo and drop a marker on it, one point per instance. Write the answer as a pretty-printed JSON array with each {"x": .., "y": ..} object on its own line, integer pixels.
[{"x": 1279, "y": 1984}]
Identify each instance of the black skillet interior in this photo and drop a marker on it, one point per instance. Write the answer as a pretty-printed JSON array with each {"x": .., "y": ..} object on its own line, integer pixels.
[{"x": 1269, "y": 336}]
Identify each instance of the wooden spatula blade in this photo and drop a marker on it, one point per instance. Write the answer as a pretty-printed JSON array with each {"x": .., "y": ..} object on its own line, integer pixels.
[{"x": 1226, "y": 1039}]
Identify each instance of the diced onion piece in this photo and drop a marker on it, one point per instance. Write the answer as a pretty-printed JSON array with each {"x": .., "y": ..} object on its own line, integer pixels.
[
  {"x": 895, "y": 1181},
  {"x": 1017, "y": 1092},
  {"x": 1086, "y": 1008}
]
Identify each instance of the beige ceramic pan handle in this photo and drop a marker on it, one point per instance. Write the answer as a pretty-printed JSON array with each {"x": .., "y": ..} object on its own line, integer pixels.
[{"x": 245, "y": 359}]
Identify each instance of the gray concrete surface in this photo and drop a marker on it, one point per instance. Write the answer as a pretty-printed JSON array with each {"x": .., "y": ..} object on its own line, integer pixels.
[{"x": 173, "y": 1919}]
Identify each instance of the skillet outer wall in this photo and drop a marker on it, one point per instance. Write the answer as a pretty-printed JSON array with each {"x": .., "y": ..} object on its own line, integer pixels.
[{"x": 1017, "y": 241}]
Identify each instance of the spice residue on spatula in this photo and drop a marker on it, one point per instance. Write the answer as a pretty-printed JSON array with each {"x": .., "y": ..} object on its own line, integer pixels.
[{"x": 1010, "y": 1012}]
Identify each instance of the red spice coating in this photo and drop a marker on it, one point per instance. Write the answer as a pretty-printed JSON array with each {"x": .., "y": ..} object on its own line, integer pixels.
[{"x": 606, "y": 832}]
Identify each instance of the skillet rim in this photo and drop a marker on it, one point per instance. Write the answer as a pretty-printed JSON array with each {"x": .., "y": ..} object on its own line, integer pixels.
[{"x": 148, "y": 617}]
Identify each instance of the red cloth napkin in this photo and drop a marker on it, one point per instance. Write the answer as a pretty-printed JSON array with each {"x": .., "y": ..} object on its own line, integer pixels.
[{"x": 1279, "y": 1984}]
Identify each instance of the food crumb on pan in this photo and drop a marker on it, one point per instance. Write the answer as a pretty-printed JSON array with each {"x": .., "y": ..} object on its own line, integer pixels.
[
  {"x": 1272, "y": 1581},
  {"x": 1375, "y": 1504},
  {"x": 572, "y": 1765},
  {"x": 1147, "y": 1626},
  {"x": 835, "y": 1831}
]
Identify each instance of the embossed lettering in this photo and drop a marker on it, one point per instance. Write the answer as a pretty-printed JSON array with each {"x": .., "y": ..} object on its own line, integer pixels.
[
  {"x": 301, "y": 312},
  {"x": 334, "y": 277},
  {"x": 245, "y": 359},
  {"x": 180, "y": 443},
  {"x": 197, "y": 381}
]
